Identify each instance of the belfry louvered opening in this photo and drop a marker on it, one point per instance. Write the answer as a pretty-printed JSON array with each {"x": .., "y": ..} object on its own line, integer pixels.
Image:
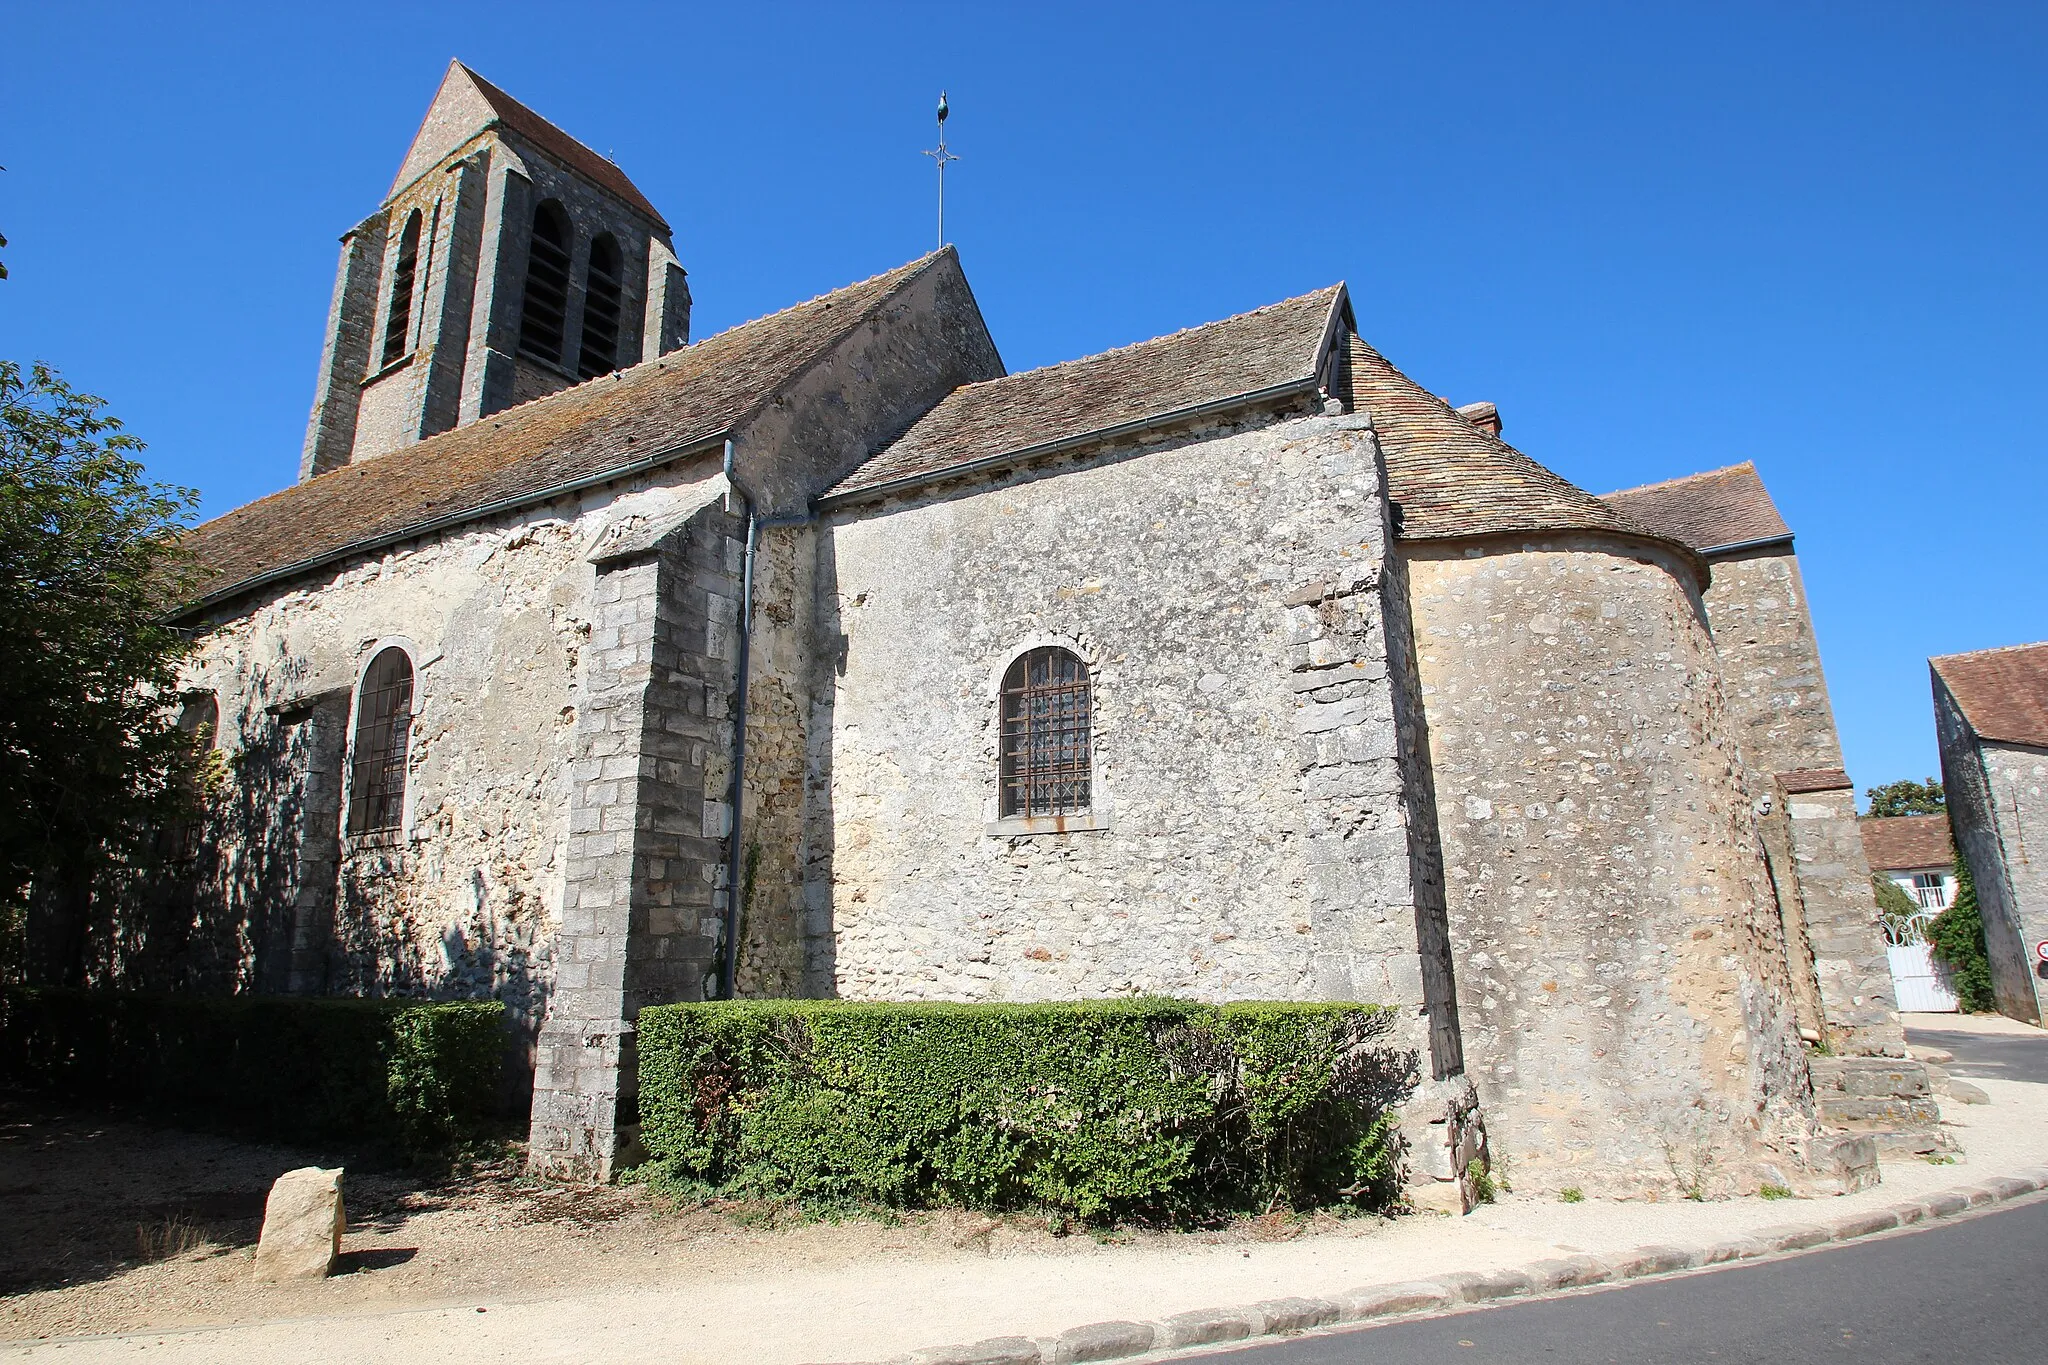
[
  {"x": 1047, "y": 715},
  {"x": 543, "y": 317},
  {"x": 601, "y": 291},
  {"x": 398, "y": 325},
  {"x": 376, "y": 786}
]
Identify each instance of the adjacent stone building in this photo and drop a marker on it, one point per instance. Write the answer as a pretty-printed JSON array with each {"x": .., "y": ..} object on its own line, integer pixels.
[
  {"x": 823, "y": 657},
  {"x": 1991, "y": 718}
]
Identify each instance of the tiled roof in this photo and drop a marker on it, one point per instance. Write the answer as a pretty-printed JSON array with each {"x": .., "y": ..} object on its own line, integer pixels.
[
  {"x": 1897, "y": 843},
  {"x": 1707, "y": 511},
  {"x": 1453, "y": 480},
  {"x": 2003, "y": 692},
  {"x": 565, "y": 149},
  {"x": 1276, "y": 345},
  {"x": 1815, "y": 780},
  {"x": 577, "y": 436}
]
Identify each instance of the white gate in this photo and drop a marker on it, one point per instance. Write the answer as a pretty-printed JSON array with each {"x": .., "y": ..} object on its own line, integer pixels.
[{"x": 1919, "y": 982}]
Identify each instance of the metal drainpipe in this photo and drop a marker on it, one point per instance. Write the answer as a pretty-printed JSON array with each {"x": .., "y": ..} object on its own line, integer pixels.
[{"x": 729, "y": 969}]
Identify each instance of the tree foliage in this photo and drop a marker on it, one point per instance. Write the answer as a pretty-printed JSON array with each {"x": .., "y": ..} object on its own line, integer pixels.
[
  {"x": 1893, "y": 903},
  {"x": 1957, "y": 936},
  {"x": 91, "y": 760},
  {"x": 1907, "y": 797}
]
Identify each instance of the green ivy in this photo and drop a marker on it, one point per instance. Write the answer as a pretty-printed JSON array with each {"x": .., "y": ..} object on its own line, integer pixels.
[
  {"x": 1094, "y": 1110},
  {"x": 1957, "y": 937},
  {"x": 414, "y": 1078}
]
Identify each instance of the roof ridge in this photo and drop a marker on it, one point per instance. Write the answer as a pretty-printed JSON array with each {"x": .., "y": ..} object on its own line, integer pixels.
[
  {"x": 1162, "y": 338},
  {"x": 1750, "y": 465},
  {"x": 1990, "y": 649}
]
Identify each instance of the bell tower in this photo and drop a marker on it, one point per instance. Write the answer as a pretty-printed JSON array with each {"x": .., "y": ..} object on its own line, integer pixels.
[{"x": 507, "y": 261}]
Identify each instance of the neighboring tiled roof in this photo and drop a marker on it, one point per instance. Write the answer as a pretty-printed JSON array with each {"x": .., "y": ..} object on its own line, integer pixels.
[
  {"x": 562, "y": 147},
  {"x": 1453, "y": 480},
  {"x": 1707, "y": 511},
  {"x": 577, "y": 436},
  {"x": 1815, "y": 780},
  {"x": 2003, "y": 692},
  {"x": 1898, "y": 843},
  {"x": 1276, "y": 345}
]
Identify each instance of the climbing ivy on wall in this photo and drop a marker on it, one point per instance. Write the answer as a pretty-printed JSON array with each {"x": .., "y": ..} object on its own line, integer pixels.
[{"x": 1957, "y": 937}]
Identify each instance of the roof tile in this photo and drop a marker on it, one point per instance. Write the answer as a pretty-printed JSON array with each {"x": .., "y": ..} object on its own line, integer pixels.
[
  {"x": 2003, "y": 692},
  {"x": 1896, "y": 843},
  {"x": 1274, "y": 345},
  {"x": 684, "y": 398},
  {"x": 1453, "y": 480},
  {"x": 1709, "y": 511}
]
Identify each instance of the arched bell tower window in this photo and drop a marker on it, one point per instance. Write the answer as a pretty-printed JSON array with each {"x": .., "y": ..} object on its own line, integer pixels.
[
  {"x": 543, "y": 316},
  {"x": 376, "y": 785},
  {"x": 601, "y": 290},
  {"x": 398, "y": 326},
  {"x": 1046, "y": 728}
]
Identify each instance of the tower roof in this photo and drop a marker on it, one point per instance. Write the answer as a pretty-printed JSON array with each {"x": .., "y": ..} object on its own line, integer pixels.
[
  {"x": 467, "y": 104},
  {"x": 1713, "y": 511}
]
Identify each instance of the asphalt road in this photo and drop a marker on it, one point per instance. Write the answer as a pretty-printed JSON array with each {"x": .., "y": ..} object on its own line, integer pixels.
[
  {"x": 1969, "y": 1292},
  {"x": 2001, "y": 1056}
]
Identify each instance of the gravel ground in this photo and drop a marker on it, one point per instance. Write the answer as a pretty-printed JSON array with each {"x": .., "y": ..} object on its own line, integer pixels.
[{"x": 502, "y": 1270}]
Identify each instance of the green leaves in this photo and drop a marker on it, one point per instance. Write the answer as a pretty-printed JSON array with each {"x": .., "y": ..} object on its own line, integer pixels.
[
  {"x": 1957, "y": 937},
  {"x": 1097, "y": 1110},
  {"x": 413, "y": 1077},
  {"x": 91, "y": 761},
  {"x": 1907, "y": 797}
]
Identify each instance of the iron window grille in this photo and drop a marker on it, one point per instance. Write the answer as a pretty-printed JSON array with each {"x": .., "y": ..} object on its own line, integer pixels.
[
  {"x": 546, "y": 308},
  {"x": 601, "y": 306},
  {"x": 398, "y": 327},
  {"x": 376, "y": 790},
  {"x": 1046, "y": 735}
]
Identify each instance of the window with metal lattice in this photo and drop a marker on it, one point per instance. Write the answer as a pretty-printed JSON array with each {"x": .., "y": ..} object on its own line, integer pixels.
[
  {"x": 199, "y": 722},
  {"x": 398, "y": 325},
  {"x": 1046, "y": 720},
  {"x": 602, "y": 284},
  {"x": 544, "y": 313},
  {"x": 376, "y": 785}
]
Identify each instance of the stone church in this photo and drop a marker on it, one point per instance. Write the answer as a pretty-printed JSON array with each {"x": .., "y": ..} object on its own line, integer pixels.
[{"x": 591, "y": 666}]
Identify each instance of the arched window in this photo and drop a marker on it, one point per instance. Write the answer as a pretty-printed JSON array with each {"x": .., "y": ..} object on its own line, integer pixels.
[
  {"x": 398, "y": 327},
  {"x": 547, "y": 284},
  {"x": 199, "y": 719},
  {"x": 376, "y": 783},
  {"x": 601, "y": 284},
  {"x": 1046, "y": 729}
]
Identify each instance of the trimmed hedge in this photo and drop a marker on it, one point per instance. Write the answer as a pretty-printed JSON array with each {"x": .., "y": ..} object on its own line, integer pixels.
[
  {"x": 1098, "y": 1109},
  {"x": 411, "y": 1077}
]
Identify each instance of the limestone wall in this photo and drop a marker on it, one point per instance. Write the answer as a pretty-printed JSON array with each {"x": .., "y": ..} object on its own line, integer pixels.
[
  {"x": 1223, "y": 589},
  {"x": 1779, "y": 714},
  {"x": 1622, "y": 993},
  {"x": 466, "y": 901},
  {"x": 1782, "y": 723},
  {"x": 1998, "y": 808}
]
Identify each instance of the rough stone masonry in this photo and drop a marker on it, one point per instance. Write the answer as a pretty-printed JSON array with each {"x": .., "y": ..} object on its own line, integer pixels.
[{"x": 715, "y": 670}]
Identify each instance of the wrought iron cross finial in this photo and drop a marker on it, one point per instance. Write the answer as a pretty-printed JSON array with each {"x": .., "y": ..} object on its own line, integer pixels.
[{"x": 941, "y": 156}]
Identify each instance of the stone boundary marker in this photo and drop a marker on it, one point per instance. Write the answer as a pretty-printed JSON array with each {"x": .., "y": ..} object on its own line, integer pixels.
[{"x": 1285, "y": 1317}]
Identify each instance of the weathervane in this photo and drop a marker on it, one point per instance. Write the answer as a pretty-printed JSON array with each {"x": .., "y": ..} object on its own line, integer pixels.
[{"x": 942, "y": 156}]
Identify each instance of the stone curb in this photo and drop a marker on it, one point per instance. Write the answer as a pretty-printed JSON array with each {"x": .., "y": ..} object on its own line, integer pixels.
[{"x": 1286, "y": 1317}]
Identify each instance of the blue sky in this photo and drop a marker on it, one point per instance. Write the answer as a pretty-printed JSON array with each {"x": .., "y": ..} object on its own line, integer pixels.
[{"x": 1662, "y": 238}]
